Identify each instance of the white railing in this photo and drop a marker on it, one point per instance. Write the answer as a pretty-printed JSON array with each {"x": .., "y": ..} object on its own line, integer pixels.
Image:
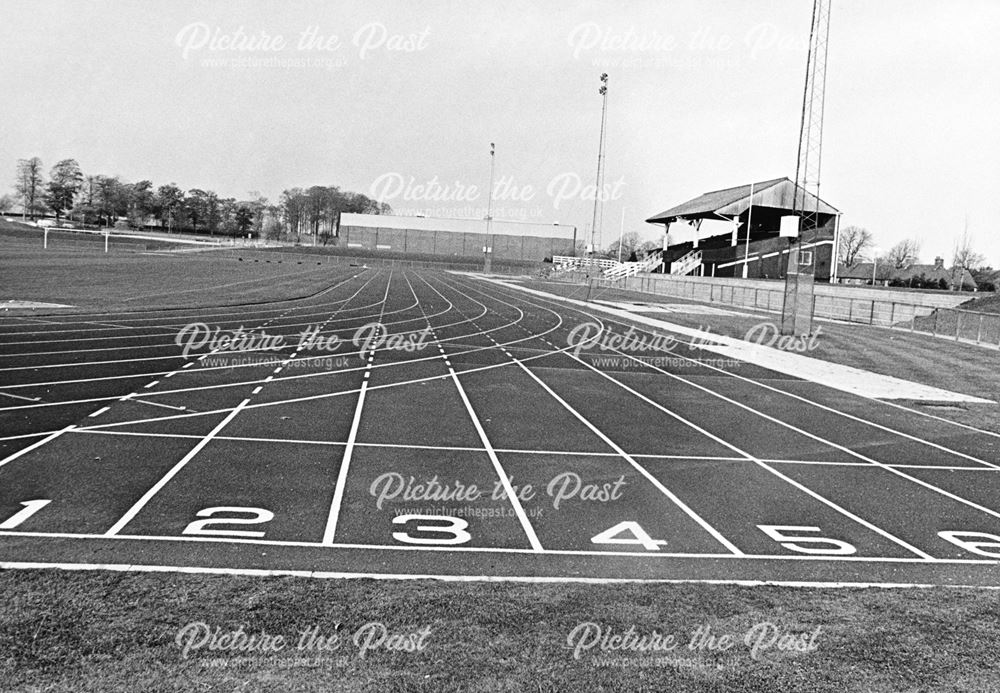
[
  {"x": 566, "y": 263},
  {"x": 687, "y": 263},
  {"x": 630, "y": 269}
]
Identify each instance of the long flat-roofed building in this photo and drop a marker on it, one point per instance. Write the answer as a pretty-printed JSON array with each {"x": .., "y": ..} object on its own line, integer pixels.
[{"x": 509, "y": 240}]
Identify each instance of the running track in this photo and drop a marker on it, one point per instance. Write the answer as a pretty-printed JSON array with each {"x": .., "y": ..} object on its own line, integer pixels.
[{"x": 487, "y": 450}]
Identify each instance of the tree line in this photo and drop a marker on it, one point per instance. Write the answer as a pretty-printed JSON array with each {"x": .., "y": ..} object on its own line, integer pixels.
[
  {"x": 857, "y": 245},
  {"x": 107, "y": 201}
]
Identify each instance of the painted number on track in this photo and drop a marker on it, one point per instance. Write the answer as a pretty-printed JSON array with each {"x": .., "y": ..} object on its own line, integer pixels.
[
  {"x": 639, "y": 536},
  {"x": 790, "y": 537},
  {"x": 983, "y": 541},
  {"x": 258, "y": 516},
  {"x": 452, "y": 527},
  {"x": 30, "y": 508}
]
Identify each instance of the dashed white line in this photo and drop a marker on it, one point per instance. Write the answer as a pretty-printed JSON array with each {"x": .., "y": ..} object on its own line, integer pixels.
[{"x": 141, "y": 503}]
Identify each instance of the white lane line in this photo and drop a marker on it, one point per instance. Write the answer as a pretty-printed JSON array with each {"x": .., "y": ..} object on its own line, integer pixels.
[
  {"x": 158, "y": 404},
  {"x": 504, "y": 479},
  {"x": 26, "y": 399},
  {"x": 757, "y": 461},
  {"x": 658, "y": 555},
  {"x": 702, "y": 522},
  {"x": 152, "y": 384},
  {"x": 256, "y": 390},
  {"x": 530, "y": 579},
  {"x": 345, "y": 464},
  {"x": 99, "y": 412},
  {"x": 296, "y": 400},
  {"x": 872, "y": 463},
  {"x": 141, "y": 503},
  {"x": 195, "y": 314},
  {"x": 37, "y": 444},
  {"x": 515, "y": 502},
  {"x": 338, "y": 492}
]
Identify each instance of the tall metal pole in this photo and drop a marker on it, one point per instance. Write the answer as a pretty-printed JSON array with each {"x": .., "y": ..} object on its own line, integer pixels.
[
  {"x": 746, "y": 253},
  {"x": 488, "y": 249},
  {"x": 603, "y": 91},
  {"x": 621, "y": 236},
  {"x": 796, "y": 314}
]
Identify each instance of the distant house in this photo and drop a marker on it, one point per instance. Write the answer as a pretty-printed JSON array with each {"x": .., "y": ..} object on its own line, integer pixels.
[{"x": 861, "y": 274}]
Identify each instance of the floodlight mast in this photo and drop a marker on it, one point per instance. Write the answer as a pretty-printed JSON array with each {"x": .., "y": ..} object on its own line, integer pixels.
[
  {"x": 488, "y": 248},
  {"x": 603, "y": 91},
  {"x": 810, "y": 152},
  {"x": 796, "y": 316}
]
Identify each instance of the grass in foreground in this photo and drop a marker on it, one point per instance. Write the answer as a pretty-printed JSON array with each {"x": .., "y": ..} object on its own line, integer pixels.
[{"x": 67, "y": 631}]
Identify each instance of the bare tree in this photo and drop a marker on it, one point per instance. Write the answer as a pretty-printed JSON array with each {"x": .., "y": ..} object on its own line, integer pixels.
[
  {"x": 29, "y": 185},
  {"x": 964, "y": 258},
  {"x": 903, "y": 254},
  {"x": 629, "y": 243},
  {"x": 854, "y": 241}
]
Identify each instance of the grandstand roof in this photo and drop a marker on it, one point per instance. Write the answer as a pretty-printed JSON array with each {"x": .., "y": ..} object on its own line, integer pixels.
[{"x": 777, "y": 193}]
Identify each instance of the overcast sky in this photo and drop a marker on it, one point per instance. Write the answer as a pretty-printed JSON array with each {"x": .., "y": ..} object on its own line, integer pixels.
[{"x": 370, "y": 96}]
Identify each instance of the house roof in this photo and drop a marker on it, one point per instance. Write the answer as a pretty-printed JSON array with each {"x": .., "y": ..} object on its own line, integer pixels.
[
  {"x": 777, "y": 193},
  {"x": 863, "y": 270}
]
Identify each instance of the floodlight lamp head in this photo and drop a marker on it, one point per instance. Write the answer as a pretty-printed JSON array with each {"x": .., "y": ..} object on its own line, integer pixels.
[{"x": 604, "y": 77}]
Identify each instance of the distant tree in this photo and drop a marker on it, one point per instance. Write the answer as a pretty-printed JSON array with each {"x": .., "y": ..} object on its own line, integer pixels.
[
  {"x": 141, "y": 203},
  {"x": 222, "y": 218},
  {"x": 244, "y": 219},
  {"x": 169, "y": 203},
  {"x": 272, "y": 227},
  {"x": 7, "y": 203},
  {"x": 259, "y": 204},
  {"x": 29, "y": 185},
  {"x": 854, "y": 241},
  {"x": 903, "y": 254},
  {"x": 883, "y": 270},
  {"x": 629, "y": 242},
  {"x": 65, "y": 181},
  {"x": 986, "y": 278},
  {"x": 964, "y": 258},
  {"x": 196, "y": 207},
  {"x": 293, "y": 209},
  {"x": 110, "y": 199}
]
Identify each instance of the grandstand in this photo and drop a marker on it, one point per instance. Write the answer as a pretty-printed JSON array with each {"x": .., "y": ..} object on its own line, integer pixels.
[{"x": 722, "y": 251}]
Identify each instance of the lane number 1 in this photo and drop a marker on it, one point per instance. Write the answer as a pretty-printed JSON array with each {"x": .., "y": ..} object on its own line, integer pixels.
[{"x": 30, "y": 508}]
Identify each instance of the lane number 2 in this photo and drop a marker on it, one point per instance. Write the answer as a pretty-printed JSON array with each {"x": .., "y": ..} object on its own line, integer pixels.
[{"x": 257, "y": 516}]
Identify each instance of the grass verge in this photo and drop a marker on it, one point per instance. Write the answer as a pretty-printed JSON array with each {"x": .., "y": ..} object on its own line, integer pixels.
[{"x": 67, "y": 631}]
